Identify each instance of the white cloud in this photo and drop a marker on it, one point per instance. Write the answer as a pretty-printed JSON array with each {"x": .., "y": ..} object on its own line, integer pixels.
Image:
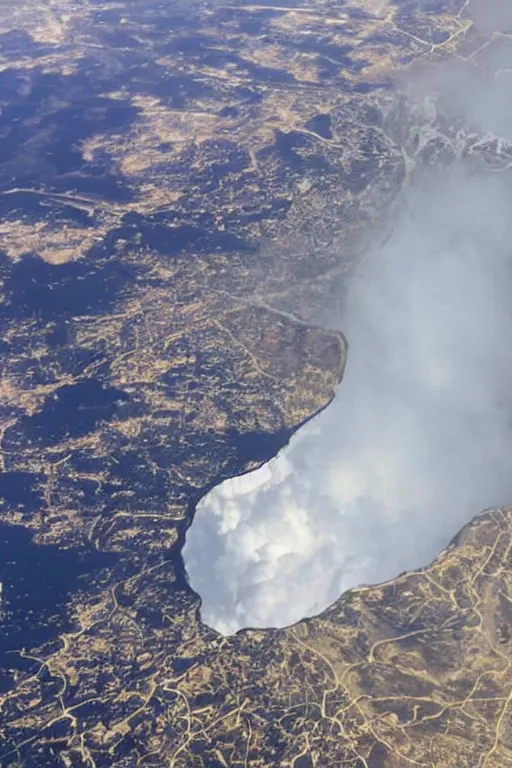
[
  {"x": 492, "y": 15},
  {"x": 419, "y": 438}
]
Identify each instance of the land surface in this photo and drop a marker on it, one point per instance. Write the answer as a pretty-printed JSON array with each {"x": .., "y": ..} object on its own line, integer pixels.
[{"x": 182, "y": 193}]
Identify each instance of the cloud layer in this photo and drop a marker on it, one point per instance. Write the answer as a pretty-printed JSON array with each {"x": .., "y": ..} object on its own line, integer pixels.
[{"x": 419, "y": 438}]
